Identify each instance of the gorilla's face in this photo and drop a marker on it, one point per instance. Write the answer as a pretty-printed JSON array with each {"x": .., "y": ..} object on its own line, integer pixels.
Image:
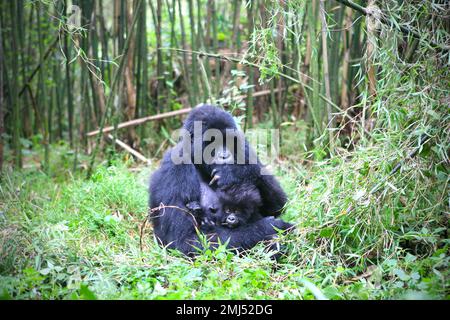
[
  {"x": 234, "y": 216},
  {"x": 236, "y": 206},
  {"x": 222, "y": 208},
  {"x": 223, "y": 156}
]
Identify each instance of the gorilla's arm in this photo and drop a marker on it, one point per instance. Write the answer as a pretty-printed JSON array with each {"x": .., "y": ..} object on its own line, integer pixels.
[
  {"x": 174, "y": 185},
  {"x": 273, "y": 196},
  {"x": 248, "y": 236}
]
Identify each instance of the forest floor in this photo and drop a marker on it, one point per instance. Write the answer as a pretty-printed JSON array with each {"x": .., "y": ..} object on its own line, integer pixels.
[{"x": 65, "y": 237}]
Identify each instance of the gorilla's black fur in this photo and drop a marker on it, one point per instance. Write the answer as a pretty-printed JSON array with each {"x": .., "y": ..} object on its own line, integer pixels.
[
  {"x": 179, "y": 185},
  {"x": 238, "y": 206}
]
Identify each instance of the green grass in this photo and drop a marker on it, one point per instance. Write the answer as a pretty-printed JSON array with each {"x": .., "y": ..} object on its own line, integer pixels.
[{"x": 64, "y": 237}]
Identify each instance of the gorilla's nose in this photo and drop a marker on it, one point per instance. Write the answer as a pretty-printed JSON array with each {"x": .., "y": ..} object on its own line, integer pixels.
[
  {"x": 232, "y": 220},
  {"x": 224, "y": 156}
]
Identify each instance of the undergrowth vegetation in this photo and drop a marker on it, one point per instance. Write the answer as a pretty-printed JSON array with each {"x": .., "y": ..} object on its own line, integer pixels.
[{"x": 65, "y": 237}]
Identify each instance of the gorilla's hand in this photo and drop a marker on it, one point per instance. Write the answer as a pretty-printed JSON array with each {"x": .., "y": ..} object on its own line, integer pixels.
[
  {"x": 207, "y": 225},
  {"x": 274, "y": 247},
  {"x": 227, "y": 175},
  {"x": 280, "y": 224},
  {"x": 195, "y": 208},
  {"x": 223, "y": 176}
]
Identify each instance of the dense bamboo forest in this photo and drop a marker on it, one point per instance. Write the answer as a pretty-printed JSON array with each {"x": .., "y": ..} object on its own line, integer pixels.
[{"x": 358, "y": 91}]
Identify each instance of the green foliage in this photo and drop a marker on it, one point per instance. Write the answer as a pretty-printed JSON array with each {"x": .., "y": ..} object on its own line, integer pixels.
[{"x": 68, "y": 238}]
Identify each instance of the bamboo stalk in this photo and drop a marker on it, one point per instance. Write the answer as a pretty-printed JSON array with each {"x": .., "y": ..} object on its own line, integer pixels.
[
  {"x": 355, "y": 52},
  {"x": 98, "y": 101},
  {"x": 370, "y": 51},
  {"x": 142, "y": 67},
  {"x": 204, "y": 68},
  {"x": 69, "y": 85},
  {"x": 347, "y": 39},
  {"x": 105, "y": 69},
  {"x": 159, "y": 64},
  {"x": 116, "y": 80},
  {"x": 187, "y": 78},
  {"x": 215, "y": 47},
  {"x": 12, "y": 81},
  {"x": 281, "y": 26},
  {"x": 130, "y": 110},
  {"x": 194, "y": 64},
  {"x": 43, "y": 103},
  {"x": 334, "y": 56},
  {"x": 170, "y": 9},
  {"x": 273, "y": 105},
  {"x": 326, "y": 71},
  {"x": 251, "y": 73},
  {"x": 26, "y": 114},
  {"x": 59, "y": 102},
  {"x": 235, "y": 45},
  {"x": 316, "y": 112}
]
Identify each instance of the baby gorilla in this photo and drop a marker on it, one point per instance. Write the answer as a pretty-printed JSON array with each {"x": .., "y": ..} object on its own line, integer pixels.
[{"x": 238, "y": 206}]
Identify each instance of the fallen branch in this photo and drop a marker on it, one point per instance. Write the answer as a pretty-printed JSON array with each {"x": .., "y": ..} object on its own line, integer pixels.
[
  {"x": 127, "y": 148},
  {"x": 140, "y": 121}
]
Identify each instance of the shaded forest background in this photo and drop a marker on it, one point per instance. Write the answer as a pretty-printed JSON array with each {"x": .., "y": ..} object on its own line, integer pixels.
[{"x": 315, "y": 65}]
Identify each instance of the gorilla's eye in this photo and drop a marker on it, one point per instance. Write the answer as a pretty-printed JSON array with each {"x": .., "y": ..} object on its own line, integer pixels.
[{"x": 213, "y": 209}]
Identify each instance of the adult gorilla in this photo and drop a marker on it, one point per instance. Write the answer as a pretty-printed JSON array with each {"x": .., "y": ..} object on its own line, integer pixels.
[{"x": 178, "y": 184}]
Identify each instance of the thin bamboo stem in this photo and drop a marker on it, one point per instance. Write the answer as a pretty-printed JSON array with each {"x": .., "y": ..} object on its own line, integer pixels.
[{"x": 116, "y": 80}]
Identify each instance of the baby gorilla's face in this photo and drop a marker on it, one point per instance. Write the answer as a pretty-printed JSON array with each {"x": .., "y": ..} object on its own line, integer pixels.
[
  {"x": 238, "y": 205},
  {"x": 233, "y": 216},
  {"x": 228, "y": 216},
  {"x": 231, "y": 208}
]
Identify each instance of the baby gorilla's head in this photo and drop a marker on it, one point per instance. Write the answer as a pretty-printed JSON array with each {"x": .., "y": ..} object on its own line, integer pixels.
[
  {"x": 233, "y": 216},
  {"x": 238, "y": 205},
  {"x": 233, "y": 207}
]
